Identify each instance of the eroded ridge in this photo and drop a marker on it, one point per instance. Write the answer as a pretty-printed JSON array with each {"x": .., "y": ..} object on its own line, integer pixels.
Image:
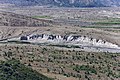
[{"x": 76, "y": 41}]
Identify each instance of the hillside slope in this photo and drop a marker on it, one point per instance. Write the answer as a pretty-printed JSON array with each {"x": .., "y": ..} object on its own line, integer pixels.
[
  {"x": 11, "y": 19},
  {"x": 64, "y": 3},
  {"x": 14, "y": 70}
]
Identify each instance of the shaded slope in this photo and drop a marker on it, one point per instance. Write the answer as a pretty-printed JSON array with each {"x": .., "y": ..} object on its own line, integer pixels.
[{"x": 14, "y": 70}]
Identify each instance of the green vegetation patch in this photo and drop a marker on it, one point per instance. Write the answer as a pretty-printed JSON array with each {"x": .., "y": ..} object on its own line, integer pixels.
[
  {"x": 85, "y": 68},
  {"x": 14, "y": 70},
  {"x": 66, "y": 46},
  {"x": 108, "y": 23},
  {"x": 46, "y": 17}
]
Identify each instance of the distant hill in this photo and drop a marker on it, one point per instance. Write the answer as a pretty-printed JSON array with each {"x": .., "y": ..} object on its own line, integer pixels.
[
  {"x": 14, "y": 70},
  {"x": 64, "y": 3}
]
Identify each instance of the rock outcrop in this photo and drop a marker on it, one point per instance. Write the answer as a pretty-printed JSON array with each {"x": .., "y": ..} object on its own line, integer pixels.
[
  {"x": 70, "y": 39},
  {"x": 76, "y": 41}
]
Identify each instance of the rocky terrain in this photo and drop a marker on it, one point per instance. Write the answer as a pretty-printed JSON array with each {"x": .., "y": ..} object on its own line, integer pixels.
[
  {"x": 70, "y": 41},
  {"x": 65, "y": 3},
  {"x": 64, "y": 44}
]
